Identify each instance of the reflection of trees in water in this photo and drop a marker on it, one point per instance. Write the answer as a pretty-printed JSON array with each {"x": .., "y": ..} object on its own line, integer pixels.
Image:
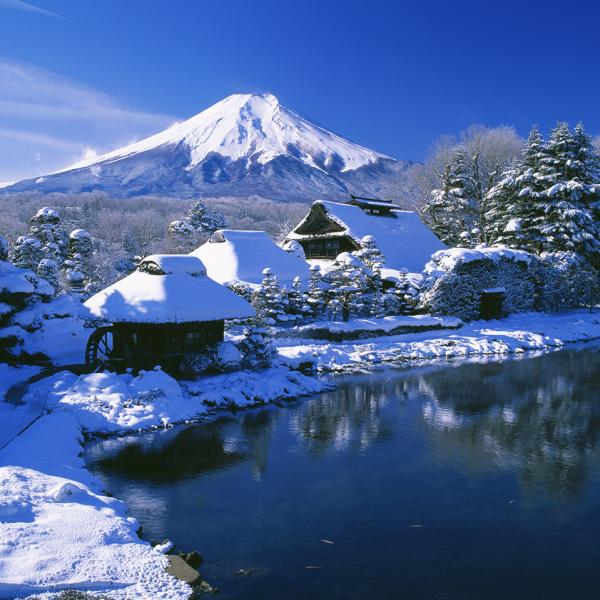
[
  {"x": 350, "y": 416},
  {"x": 184, "y": 453},
  {"x": 540, "y": 415}
]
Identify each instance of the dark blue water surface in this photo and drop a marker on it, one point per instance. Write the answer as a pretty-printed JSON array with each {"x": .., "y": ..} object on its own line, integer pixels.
[{"x": 468, "y": 481}]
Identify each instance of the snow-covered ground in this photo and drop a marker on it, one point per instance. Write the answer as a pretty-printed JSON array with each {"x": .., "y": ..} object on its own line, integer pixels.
[
  {"x": 57, "y": 529},
  {"x": 517, "y": 333}
]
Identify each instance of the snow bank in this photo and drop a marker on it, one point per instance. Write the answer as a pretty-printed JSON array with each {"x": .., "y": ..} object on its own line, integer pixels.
[
  {"x": 373, "y": 326},
  {"x": 57, "y": 530},
  {"x": 517, "y": 333}
]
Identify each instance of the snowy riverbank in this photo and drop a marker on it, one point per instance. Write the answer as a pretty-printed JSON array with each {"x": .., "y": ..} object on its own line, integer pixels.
[
  {"x": 57, "y": 529},
  {"x": 517, "y": 333}
]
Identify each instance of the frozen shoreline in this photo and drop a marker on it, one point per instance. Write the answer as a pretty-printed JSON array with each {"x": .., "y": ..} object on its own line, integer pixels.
[
  {"x": 58, "y": 530},
  {"x": 517, "y": 333}
]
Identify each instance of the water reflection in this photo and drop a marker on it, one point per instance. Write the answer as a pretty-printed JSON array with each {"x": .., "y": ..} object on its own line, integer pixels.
[
  {"x": 539, "y": 416},
  {"x": 448, "y": 447}
]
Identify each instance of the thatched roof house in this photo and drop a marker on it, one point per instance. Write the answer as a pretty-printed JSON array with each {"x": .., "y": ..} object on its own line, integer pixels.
[
  {"x": 168, "y": 307},
  {"x": 330, "y": 228}
]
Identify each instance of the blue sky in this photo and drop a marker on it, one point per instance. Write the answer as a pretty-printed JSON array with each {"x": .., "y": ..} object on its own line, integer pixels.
[{"x": 82, "y": 76}]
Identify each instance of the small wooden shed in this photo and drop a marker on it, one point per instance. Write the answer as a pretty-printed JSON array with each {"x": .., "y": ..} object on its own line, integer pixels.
[{"x": 166, "y": 309}]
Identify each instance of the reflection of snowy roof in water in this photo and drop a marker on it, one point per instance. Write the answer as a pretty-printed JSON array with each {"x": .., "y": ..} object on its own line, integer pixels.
[
  {"x": 403, "y": 238},
  {"x": 242, "y": 256},
  {"x": 179, "y": 292}
]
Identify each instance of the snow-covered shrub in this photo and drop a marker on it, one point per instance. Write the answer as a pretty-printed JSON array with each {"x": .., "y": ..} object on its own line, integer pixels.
[
  {"x": 295, "y": 248},
  {"x": 218, "y": 358},
  {"x": 257, "y": 349},
  {"x": 455, "y": 279},
  {"x": 196, "y": 363},
  {"x": 21, "y": 292},
  {"x": 226, "y": 357},
  {"x": 241, "y": 288},
  {"x": 565, "y": 280}
]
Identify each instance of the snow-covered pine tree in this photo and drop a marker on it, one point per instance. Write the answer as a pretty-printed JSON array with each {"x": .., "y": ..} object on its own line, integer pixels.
[
  {"x": 297, "y": 301},
  {"x": 46, "y": 227},
  {"x": 268, "y": 300},
  {"x": 182, "y": 239},
  {"x": 79, "y": 272},
  {"x": 48, "y": 269},
  {"x": 570, "y": 195},
  {"x": 376, "y": 305},
  {"x": 204, "y": 219},
  {"x": 451, "y": 208},
  {"x": 27, "y": 252},
  {"x": 257, "y": 349},
  {"x": 4, "y": 248},
  {"x": 347, "y": 284},
  {"x": 316, "y": 293},
  {"x": 514, "y": 204},
  {"x": 369, "y": 252}
]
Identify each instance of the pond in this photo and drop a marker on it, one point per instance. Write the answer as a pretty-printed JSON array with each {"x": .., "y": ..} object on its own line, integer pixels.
[{"x": 456, "y": 481}]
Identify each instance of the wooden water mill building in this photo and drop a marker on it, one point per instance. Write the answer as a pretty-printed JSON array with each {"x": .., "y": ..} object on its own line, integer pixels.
[{"x": 164, "y": 310}]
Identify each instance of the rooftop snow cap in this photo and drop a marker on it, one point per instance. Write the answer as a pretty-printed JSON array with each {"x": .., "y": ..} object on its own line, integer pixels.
[
  {"x": 167, "y": 288},
  {"x": 232, "y": 255}
]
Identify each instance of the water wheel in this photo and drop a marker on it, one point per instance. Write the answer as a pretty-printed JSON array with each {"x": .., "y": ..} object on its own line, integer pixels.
[{"x": 108, "y": 349}]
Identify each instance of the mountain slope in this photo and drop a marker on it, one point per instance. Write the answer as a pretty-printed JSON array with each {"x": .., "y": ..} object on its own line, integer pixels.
[{"x": 247, "y": 144}]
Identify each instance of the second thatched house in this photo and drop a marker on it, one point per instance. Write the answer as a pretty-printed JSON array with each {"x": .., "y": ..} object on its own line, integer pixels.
[{"x": 330, "y": 228}]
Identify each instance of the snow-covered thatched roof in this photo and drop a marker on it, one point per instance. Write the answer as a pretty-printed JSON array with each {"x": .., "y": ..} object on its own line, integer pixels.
[
  {"x": 232, "y": 255},
  {"x": 404, "y": 239},
  {"x": 168, "y": 288}
]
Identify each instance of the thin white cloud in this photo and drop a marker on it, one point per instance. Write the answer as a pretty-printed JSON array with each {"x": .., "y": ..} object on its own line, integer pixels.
[
  {"x": 30, "y": 92},
  {"x": 49, "y": 122},
  {"x": 25, "y": 7},
  {"x": 39, "y": 139}
]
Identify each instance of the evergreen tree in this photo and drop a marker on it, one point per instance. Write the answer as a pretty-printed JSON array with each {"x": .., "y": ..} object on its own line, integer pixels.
[
  {"x": 46, "y": 227},
  {"x": 204, "y": 219},
  {"x": 514, "y": 204},
  {"x": 4, "y": 248},
  {"x": 452, "y": 208},
  {"x": 347, "y": 285},
  {"x": 27, "y": 252},
  {"x": 268, "y": 300},
  {"x": 316, "y": 293},
  {"x": 181, "y": 237},
  {"x": 48, "y": 269},
  {"x": 376, "y": 304},
  {"x": 257, "y": 349},
  {"x": 567, "y": 171},
  {"x": 79, "y": 273}
]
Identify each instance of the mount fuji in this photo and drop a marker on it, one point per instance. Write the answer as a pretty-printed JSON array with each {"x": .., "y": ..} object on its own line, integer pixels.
[{"x": 246, "y": 144}]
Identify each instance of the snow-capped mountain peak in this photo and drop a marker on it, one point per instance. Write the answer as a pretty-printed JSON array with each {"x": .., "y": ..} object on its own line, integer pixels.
[
  {"x": 253, "y": 126},
  {"x": 246, "y": 144}
]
